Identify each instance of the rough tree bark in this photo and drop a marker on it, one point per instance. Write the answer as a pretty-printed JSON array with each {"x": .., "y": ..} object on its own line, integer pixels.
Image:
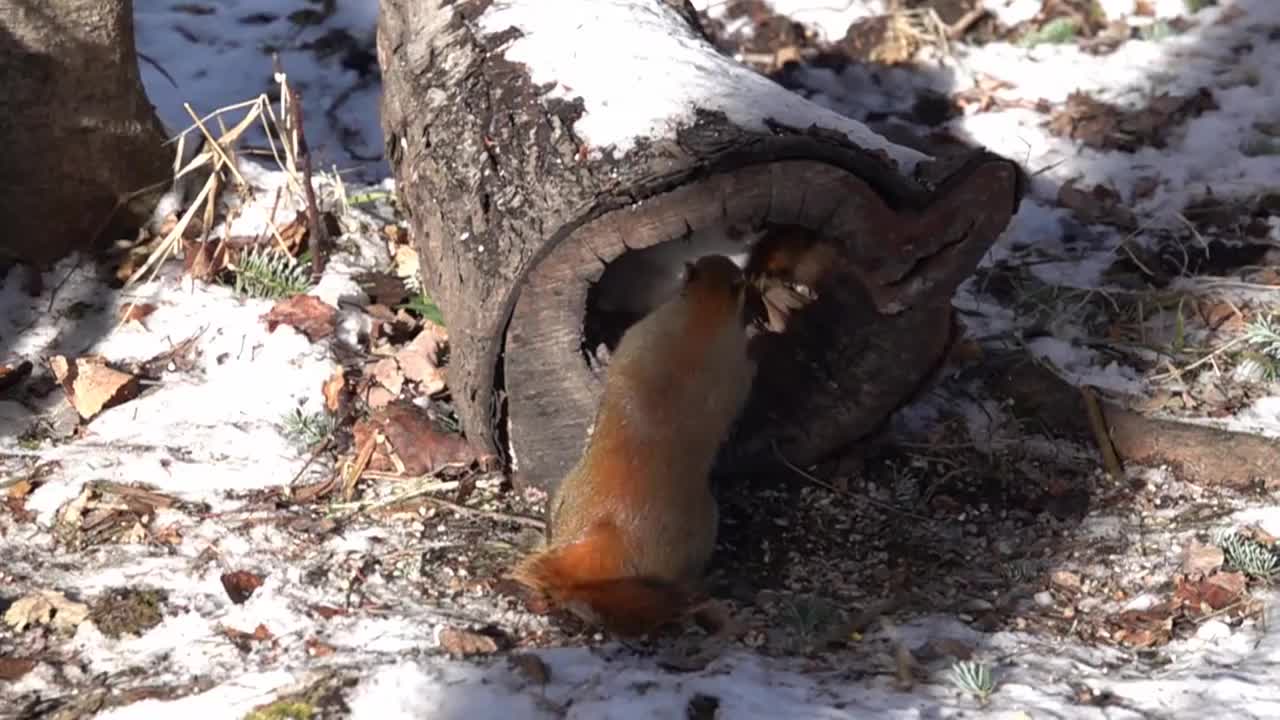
[
  {"x": 77, "y": 131},
  {"x": 539, "y": 153}
]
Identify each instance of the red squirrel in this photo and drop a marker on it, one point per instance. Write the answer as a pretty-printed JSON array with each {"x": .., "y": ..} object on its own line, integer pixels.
[{"x": 631, "y": 528}]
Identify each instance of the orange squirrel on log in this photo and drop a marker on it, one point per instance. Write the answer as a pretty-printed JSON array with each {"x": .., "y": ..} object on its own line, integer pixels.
[{"x": 633, "y": 525}]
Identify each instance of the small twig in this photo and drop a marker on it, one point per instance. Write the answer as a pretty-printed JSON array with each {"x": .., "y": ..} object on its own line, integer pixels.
[
  {"x": 523, "y": 520},
  {"x": 424, "y": 494},
  {"x": 1098, "y": 424},
  {"x": 1176, "y": 372},
  {"x": 371, "y": 505}
]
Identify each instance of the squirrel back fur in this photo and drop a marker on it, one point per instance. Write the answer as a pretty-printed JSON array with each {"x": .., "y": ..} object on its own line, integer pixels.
[{"x": 632, "y": 526}]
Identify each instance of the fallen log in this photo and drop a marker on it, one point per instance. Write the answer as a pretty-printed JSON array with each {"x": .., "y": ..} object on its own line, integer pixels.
[{"x": 559, "y": 165}]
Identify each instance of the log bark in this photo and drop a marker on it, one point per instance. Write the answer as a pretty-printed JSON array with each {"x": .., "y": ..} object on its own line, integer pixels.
[
  {"x": 77, "y": 131},
  {"x": 557, "y": 166}
]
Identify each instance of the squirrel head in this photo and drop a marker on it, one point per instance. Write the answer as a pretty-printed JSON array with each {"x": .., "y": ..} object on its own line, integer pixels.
[{"x": 715, "y": 276}]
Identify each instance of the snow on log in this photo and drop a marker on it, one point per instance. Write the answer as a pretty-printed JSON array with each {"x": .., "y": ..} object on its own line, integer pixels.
[{"x": 559, "y": 160}]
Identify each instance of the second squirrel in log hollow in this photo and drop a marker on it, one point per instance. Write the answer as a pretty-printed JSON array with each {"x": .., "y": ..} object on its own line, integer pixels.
[{"x": 633, "y": 525}]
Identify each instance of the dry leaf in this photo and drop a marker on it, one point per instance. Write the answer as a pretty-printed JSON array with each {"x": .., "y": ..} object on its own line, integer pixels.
[
  {"x": 203, "y": 260},
  {"x": 131, "y": 312},
  {"x": 90, "y": 385},
  {"x": 13, "y": 668},
  {"x": 387, "y": 374},
  {"x": 1144, "y": 628},
  {"x": 406, "y": 262},
  {"x": 416, "y": 441},
  {"x": 46, "y": 607},
  {"x": 1105, "y": 126},
  {"x": 307, "y": 314},
  {"x": 332, "y": 389},
  {"x": 420, "y": 360},
  {"x": 1211, "y": 594},
  {"x": 465, "y": 642},
  {"x": 1201, "y": 559},
  {"x": 240, "y": 585},
  {"x": 21, "y": 489}
]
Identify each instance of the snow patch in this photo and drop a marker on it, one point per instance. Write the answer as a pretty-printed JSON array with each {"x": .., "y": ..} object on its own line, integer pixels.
[{"x": 658, "y": 72}]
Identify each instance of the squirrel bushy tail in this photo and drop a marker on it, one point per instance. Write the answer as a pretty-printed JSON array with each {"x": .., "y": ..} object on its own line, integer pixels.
[{"x": 587, "y": 578}]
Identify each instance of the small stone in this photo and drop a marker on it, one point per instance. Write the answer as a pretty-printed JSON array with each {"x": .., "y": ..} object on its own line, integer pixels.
[
  {"x": 976, "y": 605},
  {"x": 1044, "y": 598},
  {"x": 1065, "y": 580},
  {"x": 1213, "y": 630}
]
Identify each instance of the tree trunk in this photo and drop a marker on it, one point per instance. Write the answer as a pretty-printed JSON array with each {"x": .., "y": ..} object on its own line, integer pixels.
[
  {"x": 558, "y": 165},
  {"x": 77, "y": 131}
]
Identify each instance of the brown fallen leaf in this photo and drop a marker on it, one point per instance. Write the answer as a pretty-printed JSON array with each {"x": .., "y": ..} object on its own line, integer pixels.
[
  {"x": 1202, "y": 597},
  {"x": 1199, "y": 559},
  {"x": 130, "y": 312},
  {"x": 13, "y": 668},
  {"x": 90, "y": 385},
  {"x": 386, "y": 372},
  {"x": 420, "y": 446},
  {"x": 240, "y": 585},
  {"x": 1144, "y": 628},
  {"x": 307, "y": 314},
  {"x": 332, "y": 389},
  {"x": 464, "y": 643},
  {"x": 203, "y": 261},
  {"x": 1105, "y": 126}
]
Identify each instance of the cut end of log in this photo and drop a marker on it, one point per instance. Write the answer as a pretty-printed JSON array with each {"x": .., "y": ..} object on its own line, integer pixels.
[{"x": 880, "y": 328}]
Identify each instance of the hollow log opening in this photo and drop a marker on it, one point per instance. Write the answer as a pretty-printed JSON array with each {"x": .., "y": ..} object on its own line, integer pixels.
[{"x": 879, "y": 331}]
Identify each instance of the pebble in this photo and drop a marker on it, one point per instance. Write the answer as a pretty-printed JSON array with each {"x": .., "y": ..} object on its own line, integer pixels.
[
  {"x": 1213, "y": 630},
  {"x": 1044, "y": 598}
]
